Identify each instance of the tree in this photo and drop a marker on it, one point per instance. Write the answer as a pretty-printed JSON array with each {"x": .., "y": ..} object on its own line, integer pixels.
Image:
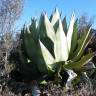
[{"x": 10, "y": 11}]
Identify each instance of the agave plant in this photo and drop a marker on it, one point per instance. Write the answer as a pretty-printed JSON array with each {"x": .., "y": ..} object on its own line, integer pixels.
[{"x": 49, "y": 48}]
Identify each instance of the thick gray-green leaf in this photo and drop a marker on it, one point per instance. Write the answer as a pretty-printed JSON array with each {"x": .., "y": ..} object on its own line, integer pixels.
[
  {"x": 81, "y": 63},
  {"x": 33, "y": 29},
  {"x": 49, "y": 45},
  {"x": 74, "y": 40},
  {"x": 30, "y": 45},
  {"x": 60, "y": 44},
  {"x": 82, "y": 43},
  {"x": 55, "y": 17},
  {"x": 46, "y": 28},
  {"x": 46, "y": 55},
  {"x": 70, "y": 31},
  {"x": 49, "y": 29}
]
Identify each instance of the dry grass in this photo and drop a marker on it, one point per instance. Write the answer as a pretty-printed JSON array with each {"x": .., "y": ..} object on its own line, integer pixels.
[{"x": 19, "y": 89}]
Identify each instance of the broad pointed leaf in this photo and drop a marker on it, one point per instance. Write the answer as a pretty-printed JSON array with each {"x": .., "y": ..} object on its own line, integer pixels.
[
  {"x": 74, "y": 39},
  {"x": 30, "y": 46},
  {"x": 77, "y": 66},
  {"x": 82, "y": 43},
  {"x": 48, "y": 58},
  {"x": 33, "y": 29},
  {"x": 60, "y": 44},
  {"x": 46, "y": 28},
  {"x": 55, "y": 17},
  {"x": 49, "y": 45},
  {"x": 70, "y": 31}
]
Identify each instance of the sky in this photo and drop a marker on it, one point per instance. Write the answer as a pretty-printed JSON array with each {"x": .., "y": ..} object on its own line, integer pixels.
[{"x": 33, "y": 8}]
